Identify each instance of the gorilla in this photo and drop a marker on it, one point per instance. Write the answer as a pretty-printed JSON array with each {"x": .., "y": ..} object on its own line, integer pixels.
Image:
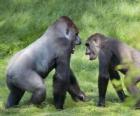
[
  {"x": 29, "y": 67},
  {"x": 115, "y": 56}
]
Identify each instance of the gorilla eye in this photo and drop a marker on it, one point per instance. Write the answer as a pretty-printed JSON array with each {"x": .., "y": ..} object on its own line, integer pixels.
[
  {"x": 87, "y": 44},
  {"x": 95, "y": 40},
  {"x": 76, "y": 34}
]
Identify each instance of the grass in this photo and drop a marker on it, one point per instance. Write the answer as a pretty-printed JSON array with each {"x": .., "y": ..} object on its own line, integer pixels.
[{"x": 23, "y": 21}]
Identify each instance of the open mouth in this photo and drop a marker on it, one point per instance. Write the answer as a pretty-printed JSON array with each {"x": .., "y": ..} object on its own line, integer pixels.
[
  {"x": 91, "y": 56},
  {"x": 72, "y": 51},
  {"x": 73, "y": 47}
]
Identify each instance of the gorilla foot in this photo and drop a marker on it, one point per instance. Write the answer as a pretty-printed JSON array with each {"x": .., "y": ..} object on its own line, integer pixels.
[
  {"x": 101, "y": 103},
  {"x": 8, "y": 106},
  {"x": 59, "y": 107},
  {"x": 137, "y": 105},
  {"x": 122, "y": 95}
]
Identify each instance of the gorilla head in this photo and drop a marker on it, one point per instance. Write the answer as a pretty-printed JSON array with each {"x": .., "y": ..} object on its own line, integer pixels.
[{"x": 65, "y": 29}]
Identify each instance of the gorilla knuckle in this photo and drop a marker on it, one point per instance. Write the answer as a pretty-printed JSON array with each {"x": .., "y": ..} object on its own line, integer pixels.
[{"x": 41, "y": 88}]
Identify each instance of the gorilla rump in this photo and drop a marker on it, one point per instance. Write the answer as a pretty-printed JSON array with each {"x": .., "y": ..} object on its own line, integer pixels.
[
  {"x": 30, "y": 66},
  {"x": 114, "y": 56}
]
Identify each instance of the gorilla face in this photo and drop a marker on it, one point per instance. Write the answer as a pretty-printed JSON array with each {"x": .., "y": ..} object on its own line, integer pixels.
[
  {"x": 91, "y": 51},
  {"x": 73, "y": 38},
  {"x": 76, "y": 41},
  {"x": 70, "y": 31},
  {"x": 93, "y": 47}
]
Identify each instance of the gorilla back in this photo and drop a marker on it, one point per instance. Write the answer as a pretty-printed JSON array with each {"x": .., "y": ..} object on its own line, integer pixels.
[{"x": 29, "y": 66}]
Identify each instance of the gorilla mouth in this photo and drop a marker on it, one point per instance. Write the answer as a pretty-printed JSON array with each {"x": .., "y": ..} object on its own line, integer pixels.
[
  {"x": 72, "y": 51},
  {"x": 73, "y": 48},
  {"x": 91, "y": 56}
]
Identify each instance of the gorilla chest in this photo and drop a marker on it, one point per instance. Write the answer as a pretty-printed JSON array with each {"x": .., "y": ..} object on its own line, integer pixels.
[{"x": 44, "y": 66}]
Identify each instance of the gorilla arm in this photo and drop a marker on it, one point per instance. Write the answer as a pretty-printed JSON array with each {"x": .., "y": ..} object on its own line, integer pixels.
[
  {"x": 103, "y": 76},
  {"x": 74, "y": 89},
  {"x": 61, "y": 81}
]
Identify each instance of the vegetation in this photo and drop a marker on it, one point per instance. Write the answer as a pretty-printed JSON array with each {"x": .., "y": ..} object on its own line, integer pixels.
[{"x": 23, "y": 21}]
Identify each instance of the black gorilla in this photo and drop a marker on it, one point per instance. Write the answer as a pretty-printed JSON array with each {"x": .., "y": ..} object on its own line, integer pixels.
[
  {"x": 30, "y": 66},
  {"x": 111, "y": 53}
]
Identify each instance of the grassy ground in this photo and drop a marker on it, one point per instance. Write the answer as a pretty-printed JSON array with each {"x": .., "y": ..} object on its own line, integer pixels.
[{"x": 23, "y": 21}]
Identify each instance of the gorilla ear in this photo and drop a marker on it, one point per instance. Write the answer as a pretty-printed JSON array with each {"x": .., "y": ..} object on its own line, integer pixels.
[
  {"x": 68, "y": 36},
  {"x": 67, "y": 31}
]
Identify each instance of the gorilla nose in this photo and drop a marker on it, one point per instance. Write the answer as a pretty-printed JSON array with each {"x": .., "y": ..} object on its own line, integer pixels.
[
  {"x": 86, "y": 53},
  {"x": 77, "y": 41}
]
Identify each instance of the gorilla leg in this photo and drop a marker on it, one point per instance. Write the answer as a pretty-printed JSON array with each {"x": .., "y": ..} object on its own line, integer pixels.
[
  {"x": 59, "y": 92},
  {"x": 14, "y": 96},
  {"x": 38, "y": 95},
  {"x": 37, "y": 88},
  {"x": 118, "y": 87},
  {"x": 74, "y": 89},
  {"x": 102, "y": 86},
  {"x": 33, "y": 83},
  {"x": 133, "y": 89}
]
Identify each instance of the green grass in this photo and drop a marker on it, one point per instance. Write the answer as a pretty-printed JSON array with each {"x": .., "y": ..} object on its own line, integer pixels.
[{"x": 23, "y": 21}]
